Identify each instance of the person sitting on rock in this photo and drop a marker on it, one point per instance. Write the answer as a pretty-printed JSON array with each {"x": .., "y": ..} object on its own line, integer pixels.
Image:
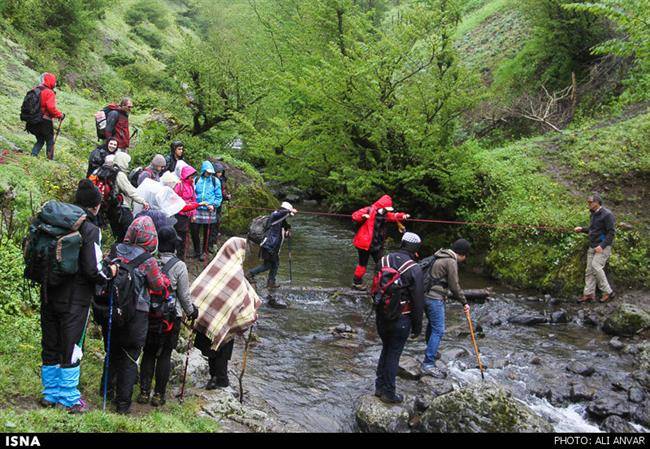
[
  {"x": 395, "y": 332},
  {"x": 444, "y": 271}
]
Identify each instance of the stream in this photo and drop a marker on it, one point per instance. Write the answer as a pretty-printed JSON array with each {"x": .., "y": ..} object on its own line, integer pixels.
[{"x": 311, "y": 379}]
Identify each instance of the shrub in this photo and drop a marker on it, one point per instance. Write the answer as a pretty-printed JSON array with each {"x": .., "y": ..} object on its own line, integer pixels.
[
  {"x": 147, "y": 11},
  {"x": 149, "y": 35}
]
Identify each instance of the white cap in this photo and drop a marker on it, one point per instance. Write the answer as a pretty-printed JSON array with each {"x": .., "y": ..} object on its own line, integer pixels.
[
  {"x": 389, "y": 208},
  {"x": 286, "y": 205},
  {"x": 411, "y": 237}
]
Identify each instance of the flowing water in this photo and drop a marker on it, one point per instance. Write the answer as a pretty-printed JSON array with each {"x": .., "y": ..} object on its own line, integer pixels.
[{"x": 311, "y": 378}]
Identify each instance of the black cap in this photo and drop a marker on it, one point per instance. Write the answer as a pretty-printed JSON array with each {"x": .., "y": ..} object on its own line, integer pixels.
[
  {"x": 87, "y": 195},
  {"x": 461, "y": 246},
  {"x": 167, "y": 240}
]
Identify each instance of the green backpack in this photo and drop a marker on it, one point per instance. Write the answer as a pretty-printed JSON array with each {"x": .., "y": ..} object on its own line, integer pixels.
[{"x": 52, "y": 247}]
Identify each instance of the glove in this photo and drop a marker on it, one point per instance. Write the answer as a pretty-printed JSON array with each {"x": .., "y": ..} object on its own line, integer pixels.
[
  {"x": 62, "y": 116},
  {"x": 194, "y": 315}
]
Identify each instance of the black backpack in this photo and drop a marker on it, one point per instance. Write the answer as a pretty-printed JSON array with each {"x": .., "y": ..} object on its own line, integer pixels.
[
  {"x": 134, "y": 175},
  {"x": 428, "y": 280},
  {"x": 387, "y": 288},
  {"x": 260, "y": 226},
  {"x": 52, "y": 248},
  {"x": 125, "y": 289},
  {"x": 162, "y": 309},
  {"x": 30, "y": 111}
]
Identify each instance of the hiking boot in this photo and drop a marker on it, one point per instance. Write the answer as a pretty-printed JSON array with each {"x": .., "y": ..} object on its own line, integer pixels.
[
  {"x": 586, "y": 298},
  {"x": 202, "y": 258},
  {"x": 360, "y": 287},
  {"x": 378, "y": 392},
  {"x": 46, "y": 404},
  {"x": 213, "y": 383},
  {"x": 277, "y": 304},
  {"x": 391, "y": 398},
  {"x": 607, "y": 297},
  {"x": 158, "y": 400},
  {"x": 122, "y": 409},
  {"x": 79, "y": 408},
  {"x": 272, "y": 285},
  {"x": 223, "y": 382},
  {"x": 250, "y": 278},
  {"x": 143, "y": 397},
  {"x": 431, "y": 370}
]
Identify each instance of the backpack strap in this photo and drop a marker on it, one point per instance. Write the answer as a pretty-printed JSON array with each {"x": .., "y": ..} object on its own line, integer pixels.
[
  {"x": 406, "y": 266},
  {"x": 142, "y": 258},
  {"x": 170, "y": 264}
]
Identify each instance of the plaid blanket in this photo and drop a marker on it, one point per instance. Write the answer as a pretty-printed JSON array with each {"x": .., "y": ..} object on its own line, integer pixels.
[
  {"x": 227, "y": 302},
  {"x": 204, "y": 216}
]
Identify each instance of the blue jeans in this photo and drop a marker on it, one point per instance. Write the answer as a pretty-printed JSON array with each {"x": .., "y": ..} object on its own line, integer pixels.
[
  {"x": 435, "y": 310},
  {"x": 393, "y": 336}
]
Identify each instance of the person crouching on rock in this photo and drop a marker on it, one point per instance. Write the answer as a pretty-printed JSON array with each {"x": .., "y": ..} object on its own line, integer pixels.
[
  {"x": 227, "y": 306},
  {"x": 394, "y": 326},
  {"x": 162, "y": 336},
  {"x": 444, "y": 271},
  {"x": 270, "y": 247},
  {"x": 370, "y": 237}
]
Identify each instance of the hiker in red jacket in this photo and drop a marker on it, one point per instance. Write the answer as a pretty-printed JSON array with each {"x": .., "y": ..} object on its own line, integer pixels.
[
  {"x": 44, "y": 129},
  {"x": 117, "y": 123},
  {"x": 370, "y": 237}
]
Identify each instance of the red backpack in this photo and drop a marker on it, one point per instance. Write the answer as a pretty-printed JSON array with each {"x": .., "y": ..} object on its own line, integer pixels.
[
  {"x": 387, "y": 288},
  {"x": 104, "y": 179}
]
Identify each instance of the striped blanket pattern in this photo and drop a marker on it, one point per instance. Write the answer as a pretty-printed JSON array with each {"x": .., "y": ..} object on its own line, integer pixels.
[{"x": 227, "y": 302}]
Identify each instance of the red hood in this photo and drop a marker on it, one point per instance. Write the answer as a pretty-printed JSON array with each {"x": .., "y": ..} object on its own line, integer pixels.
[
  {"x": 49, "y": 80},
  {"x": 142, "y": 233},
  {"x": 383, "y": 202}
]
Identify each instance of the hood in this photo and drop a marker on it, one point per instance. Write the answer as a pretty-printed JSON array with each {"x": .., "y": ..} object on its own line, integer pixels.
[
  {"x": 142, "y": 233},
  {"x": 48, "y": 80},
  {"x": 187, "y": 172},
  {"x": 445, "y": 254},
  {"x": 122, "y": 161},
  {"x": 207, "y": 166},
  {"x": 219, "y": 167},
  {"x": 383, "y": 202}
]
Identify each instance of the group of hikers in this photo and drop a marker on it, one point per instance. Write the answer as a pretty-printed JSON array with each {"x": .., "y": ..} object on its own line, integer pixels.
[{"x": 141, "y": 290}]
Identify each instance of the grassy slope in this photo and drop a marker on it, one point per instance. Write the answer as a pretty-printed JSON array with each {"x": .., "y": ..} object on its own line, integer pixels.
[{"x": 544, "y": 180}]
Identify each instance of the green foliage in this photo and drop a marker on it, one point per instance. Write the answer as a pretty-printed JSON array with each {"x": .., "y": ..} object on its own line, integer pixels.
[
  {"x": 149, "y": 35},
  {"x": 147, "y": 11},
  {"x": 16, "y": 298}
]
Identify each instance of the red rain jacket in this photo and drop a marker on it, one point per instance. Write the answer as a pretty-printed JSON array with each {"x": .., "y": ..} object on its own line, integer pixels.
[
  {"x": 48, "y": 98},
  {"x": 363, "y": 239}
]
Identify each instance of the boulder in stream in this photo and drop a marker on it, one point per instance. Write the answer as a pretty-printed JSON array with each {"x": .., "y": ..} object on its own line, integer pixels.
[
  {"x": 616, "y": 424},
  {"x": 480, "y": 408},
  {"x": 373, "y": 416},
  {"x": 605, "y": 405},
  {"x": 409, "y": 368},
  {"x": 616, "y": 344},
  {"x": 559, "y": 317},
  {"x": 627, "y": 320},
  {"x": 527, "y": 320},
  {"x": 580, "y": 369}
]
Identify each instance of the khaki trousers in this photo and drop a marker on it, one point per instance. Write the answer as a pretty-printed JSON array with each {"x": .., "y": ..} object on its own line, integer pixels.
[{"x": 595, "y": 272}]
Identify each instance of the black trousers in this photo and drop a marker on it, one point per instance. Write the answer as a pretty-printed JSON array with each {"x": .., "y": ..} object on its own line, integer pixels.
[
  {"x": 126, "y": 344},
  {"x": 182, "y": 227},
  {"x": 62, "y": 325},
  {"x": 219, "y": 362},
  {"x": 394, "y": 335},
  {"x": 209, "y": 236},
  {"x": 364, "y": 256},
  {"x": 156, "y": 358},
  {"x": 120, "y": 219},
  {"x": 44, "y": 133}
]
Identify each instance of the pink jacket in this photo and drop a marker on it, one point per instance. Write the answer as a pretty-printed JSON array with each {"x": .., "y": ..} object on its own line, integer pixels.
[{"x": 185, "y": 189}]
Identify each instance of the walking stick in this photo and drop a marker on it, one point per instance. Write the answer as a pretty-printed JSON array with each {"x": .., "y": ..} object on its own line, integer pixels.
[
  {"x": 108, "y": 346},
  {"x": 478, "y": 355},
  {"x": 290, "y": 270},
  {"x": 243, "y": 365},
  {"x": 56, "y": 136},
  {"x": 187, "y": 362}
]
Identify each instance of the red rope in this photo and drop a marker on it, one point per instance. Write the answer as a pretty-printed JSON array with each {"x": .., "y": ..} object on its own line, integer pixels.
[{"x": 427, "y": 220}]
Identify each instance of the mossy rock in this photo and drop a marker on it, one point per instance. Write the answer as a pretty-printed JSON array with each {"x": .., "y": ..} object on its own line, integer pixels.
[
  {"x": 373, "y": 416},
  {"x": 481, "y": 408},
  {"x": 627, "y": 320}
]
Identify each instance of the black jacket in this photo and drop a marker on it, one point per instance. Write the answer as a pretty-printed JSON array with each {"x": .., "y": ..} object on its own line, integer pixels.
[
  {"x": 412, "y": 279},
  {"x": 601, "y": 228},
  {"x": 80, "y": 287},
  {"x": 96, "y": 159},
  {"x": 274, "y": 237}
]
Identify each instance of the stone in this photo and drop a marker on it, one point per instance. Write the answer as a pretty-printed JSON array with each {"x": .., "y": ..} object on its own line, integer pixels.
[
  {"x": 627, "y": 320},
  {"x": 559, "y": 317},
  {"x": 555, "y": 301},
  {"x": 527, "y": 320},
  {"x": 536, "y": 361},
  {"x": 580, "y": 369},
  {"x": 480, "y": 408},
  {"x": 436, "y": 387},
  {"x": 641, "y": 414},
  {"x": 616, "y": 344},
  {"x": 636, "y": 394},
  {"x": 581, "y": 392},
  {"x": 409, "y": 368},
  {"x": 605, "y": 405},
  {"x": 455, "y": 353},
  {"x": 373, "y": 416},
  {"x": 616, "y": 424}
]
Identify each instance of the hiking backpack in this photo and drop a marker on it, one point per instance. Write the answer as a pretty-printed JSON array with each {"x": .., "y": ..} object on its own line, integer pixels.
[
  {"x": 260, "y": 226},
  {"x": 134, "y": 175},
  {"x": 104, "y": 179},
  {"x": 51, "y": 250},
  {"x": 387, "y": 288},
  {"x": 125, "y": 289},
  {"x": 428, "y": 280},
  {"x": 30, "y": 111},
  {"x": 100, "y": 122},
  {"x": 162, "y": 309}
]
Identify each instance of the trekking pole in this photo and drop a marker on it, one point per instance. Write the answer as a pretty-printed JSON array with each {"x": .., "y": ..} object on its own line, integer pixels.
[
  {"x": 56, "y": 136},
  {"x": 108, "y": 346},
  {"x": 290, "y": 260},
  {"x": 187, "y": 362},
  {"x": 478, "y": 355},
  {"x": 243, "y": 365}
]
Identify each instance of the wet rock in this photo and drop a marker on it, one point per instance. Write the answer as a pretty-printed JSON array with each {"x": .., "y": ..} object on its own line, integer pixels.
[
  {"x": 527, "y": 320},
  {"x": 605, "y": 405},
  {"x": 536, "y": 361},
  {"x": 555, "y": 301},
  {"x": 450, "y": 354},
  {"x": 641, "y": 414},
  {"x": 643, "y": 378},
  {"x": 198, "y": 371},
  {"x": 222, "y": 404},
  {"x": 277, "y": 303},
  {"x": 436, "y": 387},
  {"x": 643, "y": 357},
  {"x": 627, "y": 320},
  {"x": 343, "y": 331},
  {"x": 616, "y": 344},
  {"x": 373, "y": 416},
  {"x": 559, "y": 317},
  {"x": 541, "y": 391},
  {"x": 580, "y": 369},
  {"x": 346, "y": 344},
  {"x": 480, "y": 408},
  {"x": 409, "y": 368},
  {"x": 581, "y": 393},
  {"x": 636, "y": 395},
  {"x": 587, "y": 318},
  {"x": 616, "y": 424}
]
